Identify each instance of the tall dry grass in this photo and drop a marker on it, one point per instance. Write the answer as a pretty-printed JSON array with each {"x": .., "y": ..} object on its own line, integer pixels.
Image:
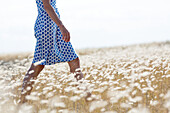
[{"x": 126, "y": 79}]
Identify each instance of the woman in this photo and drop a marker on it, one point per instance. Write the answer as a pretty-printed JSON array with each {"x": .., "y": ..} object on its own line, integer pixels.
[{"x": 53, "y": 45}]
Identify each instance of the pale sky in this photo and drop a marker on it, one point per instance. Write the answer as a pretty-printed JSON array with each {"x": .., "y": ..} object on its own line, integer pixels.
[{"x": 92, "y": 23}]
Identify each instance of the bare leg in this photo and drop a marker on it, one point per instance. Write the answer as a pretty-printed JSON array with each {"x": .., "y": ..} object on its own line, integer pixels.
[
  {"x": 27, "y": 84},
  {"x": 75, "y": 64}
]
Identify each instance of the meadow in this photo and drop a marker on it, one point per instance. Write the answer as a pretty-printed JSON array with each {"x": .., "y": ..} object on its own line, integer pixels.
[{"x": 121, "y": 79}]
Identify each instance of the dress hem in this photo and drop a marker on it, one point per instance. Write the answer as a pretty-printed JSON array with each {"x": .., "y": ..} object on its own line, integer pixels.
[{"x": 55, "y": 62}]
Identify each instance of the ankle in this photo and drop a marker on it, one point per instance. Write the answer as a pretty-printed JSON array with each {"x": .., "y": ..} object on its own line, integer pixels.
[{"x": 79, "y": 75}]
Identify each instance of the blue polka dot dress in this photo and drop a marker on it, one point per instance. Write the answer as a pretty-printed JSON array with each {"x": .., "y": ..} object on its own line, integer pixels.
[{"x": 50, "y": 47}]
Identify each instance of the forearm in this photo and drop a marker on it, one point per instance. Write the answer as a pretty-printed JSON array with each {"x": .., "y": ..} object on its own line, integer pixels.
[{"x": 50, "y": 11}]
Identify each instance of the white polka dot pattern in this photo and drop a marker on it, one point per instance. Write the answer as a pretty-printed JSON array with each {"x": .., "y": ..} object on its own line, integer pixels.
[{"x": 50, "y": 46}]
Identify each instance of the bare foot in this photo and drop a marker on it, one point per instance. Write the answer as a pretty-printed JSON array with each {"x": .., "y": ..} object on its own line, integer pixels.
[{"x": 87, "y": 96}]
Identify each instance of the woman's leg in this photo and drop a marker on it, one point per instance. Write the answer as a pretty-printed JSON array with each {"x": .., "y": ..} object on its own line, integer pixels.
[
  {"x": 74, "y": 68},
  {"x": 27, "y": 83},
  {"x": 75, "y": 64}
]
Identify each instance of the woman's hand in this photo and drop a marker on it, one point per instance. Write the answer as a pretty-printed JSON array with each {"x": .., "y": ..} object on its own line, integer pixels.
[{"x": 65, "y": 33}]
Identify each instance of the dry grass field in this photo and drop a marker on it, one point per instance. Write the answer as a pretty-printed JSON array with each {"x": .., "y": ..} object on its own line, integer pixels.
[{"x": 122, "y": 79}]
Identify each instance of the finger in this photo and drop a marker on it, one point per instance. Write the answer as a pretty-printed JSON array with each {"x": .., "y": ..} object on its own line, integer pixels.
[
  {"x": 63, "y": 37},
  {"x": 68, "y": 36}
]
